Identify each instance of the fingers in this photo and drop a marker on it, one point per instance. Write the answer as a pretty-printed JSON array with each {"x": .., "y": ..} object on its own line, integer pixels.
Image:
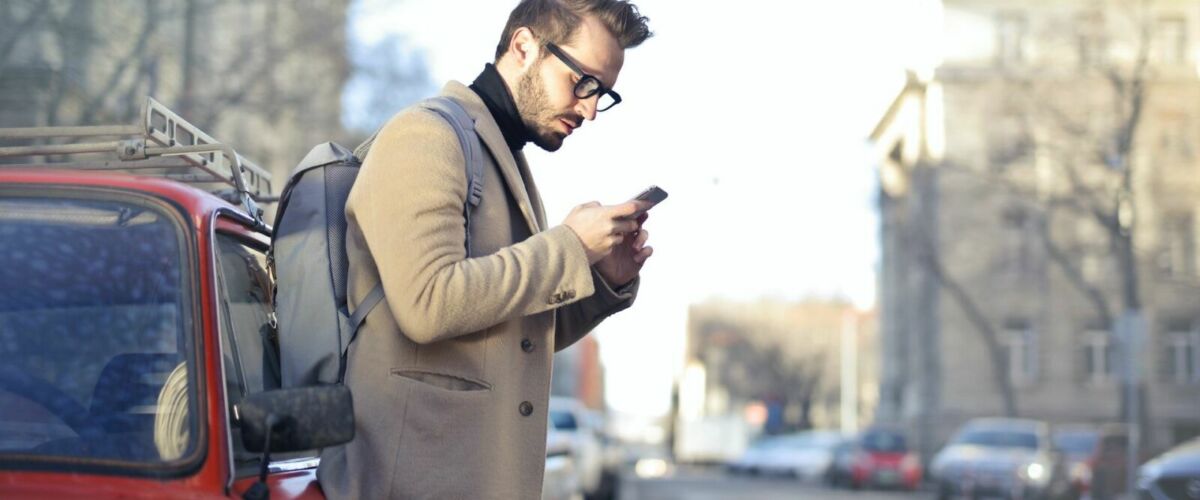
[
  {"x": 640, "y": 240},
  {"x": 642, "y": 255},
  {"x": 624, "y": 226},
  {"x": 629, "y": 209}
]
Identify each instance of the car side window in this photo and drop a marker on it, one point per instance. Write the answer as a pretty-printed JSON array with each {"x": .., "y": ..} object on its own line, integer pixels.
[
  {"x": 249, "y": 342},
  {"x": 245, "y": 301}
]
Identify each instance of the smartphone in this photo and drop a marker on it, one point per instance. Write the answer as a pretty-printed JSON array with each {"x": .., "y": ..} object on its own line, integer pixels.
[{"x": 652, "y": 194}]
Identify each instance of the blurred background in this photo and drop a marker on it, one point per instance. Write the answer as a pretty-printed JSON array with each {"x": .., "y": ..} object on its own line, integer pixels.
[{"x": 903, "y": 236}]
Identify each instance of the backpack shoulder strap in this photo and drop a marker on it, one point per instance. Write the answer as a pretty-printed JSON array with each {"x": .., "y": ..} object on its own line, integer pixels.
[
  {"x": 464, "y": 128},
  {"x": 468, "y": 140}
]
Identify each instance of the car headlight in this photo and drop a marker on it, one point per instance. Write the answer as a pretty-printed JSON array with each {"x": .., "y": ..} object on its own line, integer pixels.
[{"x": 1034, "y": 472}]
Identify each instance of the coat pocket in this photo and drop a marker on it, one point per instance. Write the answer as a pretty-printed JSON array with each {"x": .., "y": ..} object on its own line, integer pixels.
[
  {"x": 442, "y": 380},
  {"x": 447, "y": 445}
]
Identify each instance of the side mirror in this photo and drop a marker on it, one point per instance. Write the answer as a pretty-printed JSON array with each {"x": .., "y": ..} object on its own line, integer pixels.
[{"x": 304, "y": 418}]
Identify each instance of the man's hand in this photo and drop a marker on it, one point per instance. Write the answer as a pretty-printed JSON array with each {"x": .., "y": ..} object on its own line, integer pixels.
[
  {"x": 605, "y": 229},
  {"x": 625, "y": 262}
]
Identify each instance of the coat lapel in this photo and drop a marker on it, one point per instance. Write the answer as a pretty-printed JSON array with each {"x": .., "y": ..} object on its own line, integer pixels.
[{"x": 493, "y": 139}]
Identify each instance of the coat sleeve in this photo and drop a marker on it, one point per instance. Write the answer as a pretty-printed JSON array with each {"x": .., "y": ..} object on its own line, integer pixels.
[
  {"x": 408, "y": 203},
  {"x": 577, "y": 319}
]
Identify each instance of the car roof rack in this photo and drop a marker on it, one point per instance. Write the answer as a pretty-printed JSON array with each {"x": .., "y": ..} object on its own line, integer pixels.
[{"x": 163, "y": 144}]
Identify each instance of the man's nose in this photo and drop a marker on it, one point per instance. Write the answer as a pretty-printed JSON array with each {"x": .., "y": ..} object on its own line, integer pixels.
[{"x": 587, "y": 107}]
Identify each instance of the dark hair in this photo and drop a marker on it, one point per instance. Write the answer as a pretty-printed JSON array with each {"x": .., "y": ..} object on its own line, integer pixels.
[{"x": 556, "y": 21}]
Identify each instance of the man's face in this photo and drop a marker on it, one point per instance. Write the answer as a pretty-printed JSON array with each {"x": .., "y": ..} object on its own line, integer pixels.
[{"x": 546, "y": 91}]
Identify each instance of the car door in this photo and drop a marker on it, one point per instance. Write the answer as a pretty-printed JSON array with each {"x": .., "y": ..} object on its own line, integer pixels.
[{"x": 250, "y": 352}]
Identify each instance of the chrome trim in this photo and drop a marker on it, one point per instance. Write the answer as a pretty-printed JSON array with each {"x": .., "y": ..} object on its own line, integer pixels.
[
  {"x": 218, "y": 318},
  {"x": 294, "y": 464},
  {"x": 215, "y": 300}
]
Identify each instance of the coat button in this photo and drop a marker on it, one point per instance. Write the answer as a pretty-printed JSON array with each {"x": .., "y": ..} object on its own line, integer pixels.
[
  {"x": 526, "y": 408},
  {"x": 526, "y": 345}
]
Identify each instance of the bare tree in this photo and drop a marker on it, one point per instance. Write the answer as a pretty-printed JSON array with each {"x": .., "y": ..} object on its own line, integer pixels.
[
  {"x": 1071, "y": 154},
  {"x": 1079, "y": 156},
  {"x": 753, "y": 365},
  {"x": 266, "y": 73}
]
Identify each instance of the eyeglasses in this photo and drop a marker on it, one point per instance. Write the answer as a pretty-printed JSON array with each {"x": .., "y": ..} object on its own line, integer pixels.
[{"x": 588, "y": 85}]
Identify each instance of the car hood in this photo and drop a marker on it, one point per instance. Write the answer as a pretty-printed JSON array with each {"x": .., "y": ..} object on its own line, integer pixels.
[
  {"x": 982, "y": 458},
  {"x": 1179, "y": 463}
]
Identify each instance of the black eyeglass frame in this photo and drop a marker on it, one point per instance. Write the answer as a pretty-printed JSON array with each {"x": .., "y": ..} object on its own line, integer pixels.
[{"x": 580, "y": 90}]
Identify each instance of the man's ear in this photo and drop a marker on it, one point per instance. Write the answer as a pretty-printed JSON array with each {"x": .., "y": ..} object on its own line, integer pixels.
[{"x": 524, "y": 48}]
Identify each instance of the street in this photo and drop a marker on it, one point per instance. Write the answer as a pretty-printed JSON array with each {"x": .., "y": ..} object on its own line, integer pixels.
[{"x": 715, "y": 484}]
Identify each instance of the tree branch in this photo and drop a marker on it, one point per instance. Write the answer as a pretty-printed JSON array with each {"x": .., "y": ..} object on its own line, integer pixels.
[
  {"x": 149, "y": 26},
  {"x": 931, "y": 259},
  {"x": 1073, "y": 273},
  {"x": 10, "y": 42}
]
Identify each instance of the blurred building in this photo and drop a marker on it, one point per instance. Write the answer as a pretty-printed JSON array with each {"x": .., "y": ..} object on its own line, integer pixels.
[
  {"x": 578, "y": 373},
  {"x": 1035, "y": 189},
  {"x": 265, "y": 75},
  {"x": 772, "y": 367}
]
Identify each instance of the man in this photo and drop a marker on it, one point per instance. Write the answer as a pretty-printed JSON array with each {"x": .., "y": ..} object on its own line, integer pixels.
[{"x": 451, "y": 373}]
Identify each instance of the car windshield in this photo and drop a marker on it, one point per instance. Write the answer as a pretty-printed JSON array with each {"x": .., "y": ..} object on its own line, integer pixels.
[
  {"x": 94, "y": 315},
  {"x": 563, "y": 420},
  {"x": 998, "y": 438},
  {"x": 1076, "y": 443},
  {"x": 886, "y": 442}
]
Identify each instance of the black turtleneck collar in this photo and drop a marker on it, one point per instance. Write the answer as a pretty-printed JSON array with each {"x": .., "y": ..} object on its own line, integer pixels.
[{"x": 491, "y": 88}]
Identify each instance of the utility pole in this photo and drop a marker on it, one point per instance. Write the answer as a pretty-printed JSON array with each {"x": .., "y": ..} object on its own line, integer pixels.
[{"x": 1130, "y": 329}]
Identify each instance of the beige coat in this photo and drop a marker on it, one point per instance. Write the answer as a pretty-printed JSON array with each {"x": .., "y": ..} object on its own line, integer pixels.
[{"x": 451, "y": 373}]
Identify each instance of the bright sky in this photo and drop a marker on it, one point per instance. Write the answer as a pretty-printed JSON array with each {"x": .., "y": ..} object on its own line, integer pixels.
[{"x": 752, "y": 114}]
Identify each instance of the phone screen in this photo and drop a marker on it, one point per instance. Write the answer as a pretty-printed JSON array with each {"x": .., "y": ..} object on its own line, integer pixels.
[{"x": 652, "y": 194}]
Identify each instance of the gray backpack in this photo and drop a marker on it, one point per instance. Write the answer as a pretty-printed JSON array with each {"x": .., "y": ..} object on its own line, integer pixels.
[{"x": 308, "y": 253}]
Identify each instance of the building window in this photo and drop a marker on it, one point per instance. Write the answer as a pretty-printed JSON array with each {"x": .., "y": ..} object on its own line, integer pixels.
[
  {"x": 1099, "y": 356},
  {"x": 1178, "y": 245},
  {"x": 1011, "y": 30},
  {"x": 1020, "y": 347},
  {"x": 1020, "y": 257},
  {"x": 1183, "y": 357},
  {"x": 1170, "y": 40},
  {"x": 1092, "y": 247}
]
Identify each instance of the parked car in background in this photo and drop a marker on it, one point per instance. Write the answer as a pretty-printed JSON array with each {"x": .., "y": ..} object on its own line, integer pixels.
[
  {"x": 805, "y": 455},
  {"x": 877, "y": 457},
  {"x": 561, "y": 481},
  {"x": 571, "y": 418},
  {"x": 1078, "y": 444},
  {"x": 1002, "y": 457},
  {"x": 1172, "y": 475},
  {"x": 612, "y": 455}
]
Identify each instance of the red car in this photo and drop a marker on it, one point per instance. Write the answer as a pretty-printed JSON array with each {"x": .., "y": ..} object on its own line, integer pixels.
[
  {"x": 136, "y": 325},
  {"x": 876, "y": 458}
]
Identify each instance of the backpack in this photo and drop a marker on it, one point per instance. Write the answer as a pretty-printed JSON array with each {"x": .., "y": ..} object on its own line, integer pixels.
[{"x": 308, "y": 253}]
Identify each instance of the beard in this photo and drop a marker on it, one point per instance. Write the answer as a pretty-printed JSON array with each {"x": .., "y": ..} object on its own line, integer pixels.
[{"x": 537, "y": 114}]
